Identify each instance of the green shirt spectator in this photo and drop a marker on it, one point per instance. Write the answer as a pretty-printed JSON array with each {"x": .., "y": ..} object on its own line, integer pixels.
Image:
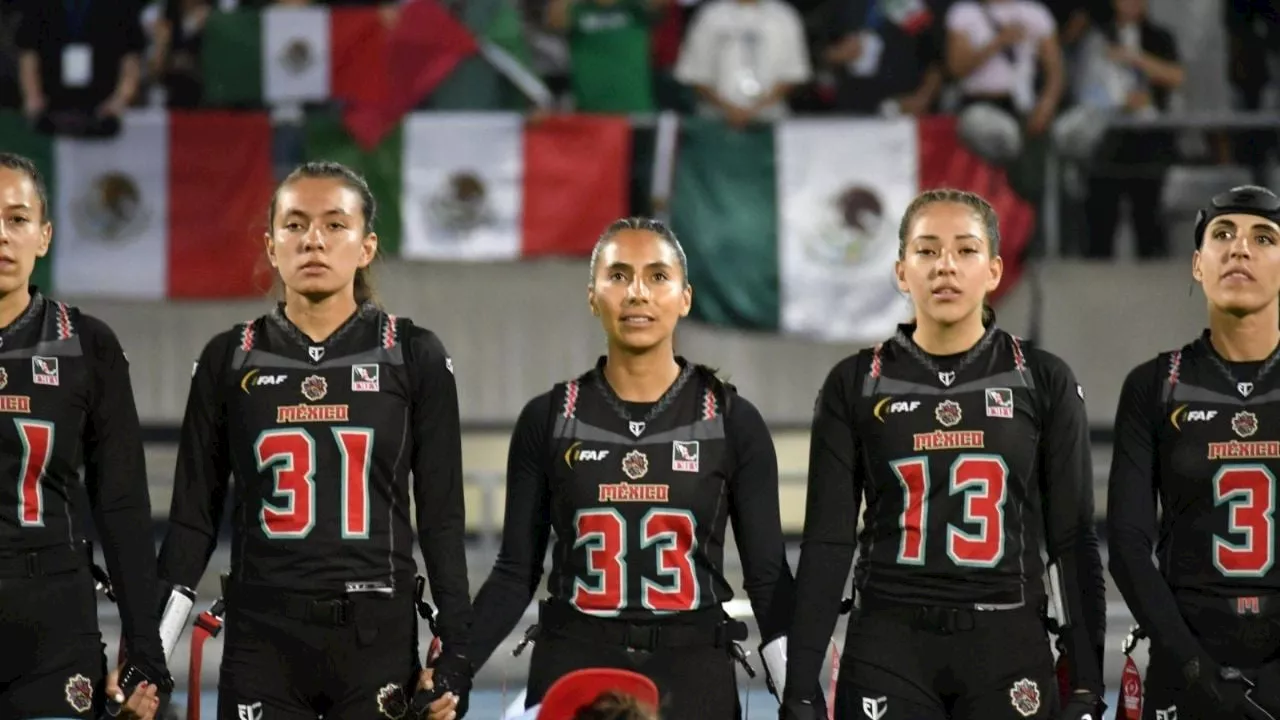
[{"x": 611, "y": 65}]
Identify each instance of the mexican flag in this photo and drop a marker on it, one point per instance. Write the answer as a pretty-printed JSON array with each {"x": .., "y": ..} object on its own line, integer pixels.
[
  {"x": 793, "y": 228},
  {"x": 173, "y": 207},
  {"x": 489, "y": 186},
  {"x": 374, "y": 59}
]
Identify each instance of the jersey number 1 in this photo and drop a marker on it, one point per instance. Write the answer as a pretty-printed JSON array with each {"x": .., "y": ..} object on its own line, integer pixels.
[
  {"x": 982, "y": 480},
  {"x": 1249, "y": 492},
  {"x": 291, "y": 455},
  {"x": 37, "y": 448},
  {"x": 603, "y": 532}
]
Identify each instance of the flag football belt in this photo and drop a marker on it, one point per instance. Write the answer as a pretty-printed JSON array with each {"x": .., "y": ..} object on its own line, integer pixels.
[
  {"x": 938, "y": 619},
  {"x": 51, "y": 561},
  {"x": 1261, "y": 606},
  {"x": 701, "y": 628},
  {"x": 333, "y": 612}
]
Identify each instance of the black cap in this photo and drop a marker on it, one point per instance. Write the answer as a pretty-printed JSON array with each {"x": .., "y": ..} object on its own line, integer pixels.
[{"x": 1246, "y": 200}]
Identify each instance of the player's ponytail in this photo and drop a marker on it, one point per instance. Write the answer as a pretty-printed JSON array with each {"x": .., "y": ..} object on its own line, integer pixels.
[{"x": 988, "y": 315}]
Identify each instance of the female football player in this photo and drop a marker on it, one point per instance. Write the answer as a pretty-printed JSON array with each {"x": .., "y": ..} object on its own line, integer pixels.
[
  {"x": 1194, "y": 435},
  {"x": 321, "y": 410},
  {"x": 963, "y": 442},
  {"x": 67, "y": 400},
  {"x": 636, "y": 465}
]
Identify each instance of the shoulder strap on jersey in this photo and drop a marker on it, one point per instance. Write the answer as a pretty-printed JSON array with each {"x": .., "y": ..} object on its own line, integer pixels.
[
  {"x": 390, "y": 332},
  {"x": 1019, "y": 357},
  {"x": 717, "y": 394}
]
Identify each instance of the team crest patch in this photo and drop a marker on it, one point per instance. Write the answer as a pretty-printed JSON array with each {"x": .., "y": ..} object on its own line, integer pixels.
[
  {"x": 635, "y": 464},
  {"x": 364, "y": 378},
  {"x": 1245, "y": 423},
  {"x": 44, "y": 370},
  {"x": 999, "y": 402},
  {"x": 314, "y": 388},
  {"x": 1025, "y": 697},
  {"x": 79, "y": 693},
  {"x": 391, "y": 702},
  {"x": 684, "y": 456},
  {"x": 4, "y": 378},
  {"x": 948, "y": 413}
]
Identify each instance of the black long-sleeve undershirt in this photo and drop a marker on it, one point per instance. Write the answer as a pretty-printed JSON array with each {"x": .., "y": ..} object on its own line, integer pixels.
[
  {"x": 754, "y": 513},
  {"x": 1132, "y": 524},
  {"x": 116, "y": 481}
]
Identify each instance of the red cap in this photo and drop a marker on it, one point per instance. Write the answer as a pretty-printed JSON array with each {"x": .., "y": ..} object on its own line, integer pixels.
[{"x": 579, "y": 689}]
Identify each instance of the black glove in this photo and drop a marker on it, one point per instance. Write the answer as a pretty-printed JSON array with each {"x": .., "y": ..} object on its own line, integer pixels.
[
  {"x": 1266, "y": 691},
  {"x": 451, "y": 674},
  {"x": 801, "y": 710},
  {"x": 132, "y": 675},
  {"x": 1211, "y": 690},
  {"x": 1082, "y": 706}
]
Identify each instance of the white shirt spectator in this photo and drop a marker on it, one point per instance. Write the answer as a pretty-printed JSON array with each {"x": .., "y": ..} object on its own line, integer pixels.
[
  {"x": 743, "y": 50},
  {"x": 980, "y": 23}
]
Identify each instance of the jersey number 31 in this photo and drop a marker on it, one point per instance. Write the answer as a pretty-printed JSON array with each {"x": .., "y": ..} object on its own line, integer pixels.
[{"x": 291, "y": 455}]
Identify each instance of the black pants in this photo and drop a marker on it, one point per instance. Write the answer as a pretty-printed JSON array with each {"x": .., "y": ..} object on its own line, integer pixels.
[
  {"x": 1111, "y": 182},
  {"x": 1242, "y": 633},
  {"x": 696, "y": 681},
  {"x": 914, "y": 663},
  {"x": 292, "y": 657},
  {"x": 51, "y": 654}
]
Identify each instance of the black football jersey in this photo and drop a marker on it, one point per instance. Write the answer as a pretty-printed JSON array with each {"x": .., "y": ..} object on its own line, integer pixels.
[
  {"x": 321, "y": 439},
  {"x": 639, "y": 506},
  {"x": 66, "y": 402},
  {"x": 1217, "y": 474},
  {"x": 969, "y": 465}
]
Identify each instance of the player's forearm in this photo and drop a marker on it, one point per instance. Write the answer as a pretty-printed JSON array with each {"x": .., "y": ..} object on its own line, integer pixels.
[
  {"x": 1078, "y": 635},
  {"x": 444, "y": 552},
  {"x": 499, "y": 606},
  {"x": 129, "y": 549},
  {"x": 820, "y": 579},
  {"x": 1145, "y": 590},
  {"x": 185, "y": 553}
]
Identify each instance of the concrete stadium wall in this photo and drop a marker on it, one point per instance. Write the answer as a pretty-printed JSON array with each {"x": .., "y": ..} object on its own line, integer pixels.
[{"x": 515, "y": 329}]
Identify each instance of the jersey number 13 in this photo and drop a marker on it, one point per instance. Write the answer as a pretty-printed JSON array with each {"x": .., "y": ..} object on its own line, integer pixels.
[{"x": 981, "y": 482}]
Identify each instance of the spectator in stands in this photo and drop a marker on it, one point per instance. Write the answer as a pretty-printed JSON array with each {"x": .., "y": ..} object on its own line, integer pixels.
[
  {"x": 1131, "y": 65},
  {"x": 744, "y": 57},
  {"x": 80, "y": 63},
  {"x": 175, "y": 60},
  {"x": 1253, "y": 41},
  {"x": 610, "y": 69},
  {"x": 887, "y": 56},
  {"x": 1007, "y": 60}
]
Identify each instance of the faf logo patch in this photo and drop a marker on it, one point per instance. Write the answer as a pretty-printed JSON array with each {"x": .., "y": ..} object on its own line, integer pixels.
[
  {"x": 684, "y": 456},
  {"x": 635, "y": 464},
  {"x": 1025, "y": 697},
  {"x": 44, "y": 370},
  {"x": 79, "y": 692},
  {"x": 314, "y": 388},
  {"x": 948, "y": 413},
  {"x": 364, "y": 378},
  {"x": 391, "y": 702}
]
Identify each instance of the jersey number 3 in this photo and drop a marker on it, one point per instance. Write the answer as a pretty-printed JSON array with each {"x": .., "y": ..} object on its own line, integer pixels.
[
  {"x": 669, "y": 533},
  {"x": 291, "y": 455},
  {"x": 981, "y": 480},
  {"x": 1249, "y": 492}
]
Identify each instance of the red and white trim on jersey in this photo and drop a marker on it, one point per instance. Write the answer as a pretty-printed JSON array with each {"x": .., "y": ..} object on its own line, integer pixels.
[
  {"x": 875, "y": 360},
  {"x": 246, "y": 336},
  {"x": 64, "y": 322},
  {"x": 1019, "y": 360},
  {"x": 389, "y": 331},
  {"x": 710, "y": 405},
  {"x": 1175, "y": 366},
  {"x": 570, "y": 399}
]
